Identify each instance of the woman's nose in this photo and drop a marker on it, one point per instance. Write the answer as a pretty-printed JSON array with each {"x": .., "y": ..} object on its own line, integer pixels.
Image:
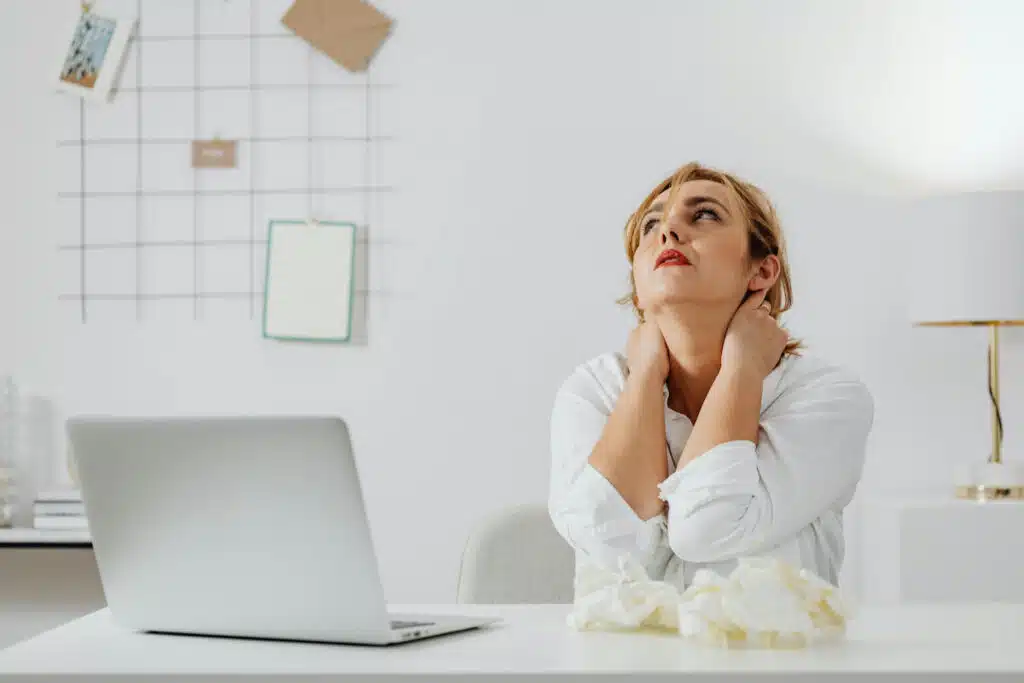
[{"x": 668, "y": 229}]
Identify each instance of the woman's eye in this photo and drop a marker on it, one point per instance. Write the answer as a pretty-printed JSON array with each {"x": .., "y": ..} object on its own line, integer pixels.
[
  {"x": 700, "y": 212},
  {"x": 648, "y": 225}
]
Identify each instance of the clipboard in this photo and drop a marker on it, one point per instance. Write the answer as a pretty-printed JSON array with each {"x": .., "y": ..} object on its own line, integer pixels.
[{"x": 310, "y": 281}]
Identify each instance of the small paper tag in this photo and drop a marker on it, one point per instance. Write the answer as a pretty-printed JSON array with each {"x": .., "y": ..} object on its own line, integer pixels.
[{"x": 214, "y": 153}]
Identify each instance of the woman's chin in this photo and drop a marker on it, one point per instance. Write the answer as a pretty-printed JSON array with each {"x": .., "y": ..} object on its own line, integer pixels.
[{"x": 671, "y": 302}]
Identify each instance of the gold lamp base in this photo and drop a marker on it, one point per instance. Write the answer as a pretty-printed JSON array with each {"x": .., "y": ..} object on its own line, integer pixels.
[
  {"x": 995, "y": 479},
  {"x": 980, "y": 492},
  {"x": 991, "y": 481}
]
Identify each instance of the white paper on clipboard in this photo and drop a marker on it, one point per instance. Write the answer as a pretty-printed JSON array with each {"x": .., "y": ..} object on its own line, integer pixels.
[{"x": 309, "y": 281}]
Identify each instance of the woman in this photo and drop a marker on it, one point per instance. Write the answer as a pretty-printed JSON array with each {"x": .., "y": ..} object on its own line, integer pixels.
[{"x": 713, "y": 438}]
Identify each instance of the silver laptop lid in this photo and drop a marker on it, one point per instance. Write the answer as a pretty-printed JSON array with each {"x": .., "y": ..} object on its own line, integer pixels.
[{"x": 250, "y": 526}]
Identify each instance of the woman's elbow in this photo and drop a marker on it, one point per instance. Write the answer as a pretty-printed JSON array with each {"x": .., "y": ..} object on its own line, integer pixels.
[
  {"x": 561, "y": 519},
  {"x": 716, "y": 531}
]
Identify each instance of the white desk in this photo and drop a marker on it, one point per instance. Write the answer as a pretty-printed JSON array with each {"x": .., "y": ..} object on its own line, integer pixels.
[{"x": 534, "y": 639}]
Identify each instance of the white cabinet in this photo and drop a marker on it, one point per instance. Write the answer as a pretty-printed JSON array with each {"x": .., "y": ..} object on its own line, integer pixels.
[
  {"x": 46, "y": 579},
  {"x": 943, "y": 550}
]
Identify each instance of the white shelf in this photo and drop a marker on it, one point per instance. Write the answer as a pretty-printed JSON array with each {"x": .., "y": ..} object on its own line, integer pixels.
[{"x": 43, "y": 537}]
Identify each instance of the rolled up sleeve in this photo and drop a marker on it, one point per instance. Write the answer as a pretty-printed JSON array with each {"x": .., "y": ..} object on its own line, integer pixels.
[
  {"x": 741, "y": 498},
  {"x": 586, "y": 510}
]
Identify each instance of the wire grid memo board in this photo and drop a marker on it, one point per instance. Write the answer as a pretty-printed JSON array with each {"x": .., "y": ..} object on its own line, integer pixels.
[{"x": 145, "y": 234}]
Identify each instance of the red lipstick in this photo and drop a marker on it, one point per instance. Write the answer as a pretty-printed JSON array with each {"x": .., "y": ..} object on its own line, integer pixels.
[{"x": 671, "y": 257}]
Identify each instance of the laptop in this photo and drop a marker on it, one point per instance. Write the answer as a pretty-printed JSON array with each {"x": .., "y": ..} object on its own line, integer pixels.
[{"x": 237, "y": 526}]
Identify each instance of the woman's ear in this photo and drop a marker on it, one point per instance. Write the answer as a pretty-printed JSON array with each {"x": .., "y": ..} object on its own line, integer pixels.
[{"x": 767, "y": 273}]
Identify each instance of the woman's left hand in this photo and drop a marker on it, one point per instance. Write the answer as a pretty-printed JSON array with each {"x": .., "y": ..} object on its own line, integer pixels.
[{"x": 754, "y": 341}]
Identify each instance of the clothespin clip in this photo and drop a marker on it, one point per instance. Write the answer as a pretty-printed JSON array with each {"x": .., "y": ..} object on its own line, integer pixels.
[{"x": 86, "y": 7}]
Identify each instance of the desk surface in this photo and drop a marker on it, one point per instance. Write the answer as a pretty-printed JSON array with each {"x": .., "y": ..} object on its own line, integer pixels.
[{"x": 533, "y": 639}]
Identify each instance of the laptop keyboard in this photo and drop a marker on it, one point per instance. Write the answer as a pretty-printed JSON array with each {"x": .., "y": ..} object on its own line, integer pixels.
[{"x": 399, "y": 624}]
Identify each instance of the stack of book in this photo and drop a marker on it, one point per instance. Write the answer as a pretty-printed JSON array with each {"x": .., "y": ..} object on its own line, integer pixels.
[
  {"x": 60, "y": 510},
  {"x": 6, "y": 497}
]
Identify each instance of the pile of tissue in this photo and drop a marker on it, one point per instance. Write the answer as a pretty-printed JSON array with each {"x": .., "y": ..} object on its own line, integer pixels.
[
  {"x": 764, "y": 603},
  {"x": 625, "y": 600}
]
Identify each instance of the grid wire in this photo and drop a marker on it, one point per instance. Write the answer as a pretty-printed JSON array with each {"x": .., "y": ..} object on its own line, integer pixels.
[{"x": 251, "y": 291}]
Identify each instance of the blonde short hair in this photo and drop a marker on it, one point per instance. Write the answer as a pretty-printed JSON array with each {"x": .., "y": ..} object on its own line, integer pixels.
[{"x": 764, "y": 229}]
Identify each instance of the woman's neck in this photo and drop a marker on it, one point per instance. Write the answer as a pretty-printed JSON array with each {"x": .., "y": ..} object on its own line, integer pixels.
[{"x": 694, "y": 339}]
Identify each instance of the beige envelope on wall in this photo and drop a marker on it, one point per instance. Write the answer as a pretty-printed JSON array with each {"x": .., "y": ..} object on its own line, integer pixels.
[{"x": 348, "y": 31}]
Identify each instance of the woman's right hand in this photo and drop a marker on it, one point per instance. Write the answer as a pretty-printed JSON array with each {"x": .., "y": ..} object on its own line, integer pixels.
[{"x": 646, "y": 353}]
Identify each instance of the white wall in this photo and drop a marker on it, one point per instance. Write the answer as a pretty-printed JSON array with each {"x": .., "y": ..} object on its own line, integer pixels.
[{"x": 526, "y": 132}]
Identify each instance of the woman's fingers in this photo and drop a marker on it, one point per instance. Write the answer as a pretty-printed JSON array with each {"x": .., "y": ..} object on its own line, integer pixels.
[{"x": 755, "y": 299}]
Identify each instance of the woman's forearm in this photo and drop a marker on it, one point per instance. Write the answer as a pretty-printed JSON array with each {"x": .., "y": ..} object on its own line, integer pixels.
[
  {"x": 731, "y": 412},
  {"x": 631, "y": 452}
]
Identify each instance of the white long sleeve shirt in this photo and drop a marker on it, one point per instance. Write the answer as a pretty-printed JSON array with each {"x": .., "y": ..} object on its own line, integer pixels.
[{"x": 781, "y": 497}]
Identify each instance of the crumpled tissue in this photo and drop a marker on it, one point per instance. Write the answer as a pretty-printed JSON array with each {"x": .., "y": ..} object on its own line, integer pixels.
[
  {"x": 763, "y": 603},
  {"x": 625, "y": 600}
]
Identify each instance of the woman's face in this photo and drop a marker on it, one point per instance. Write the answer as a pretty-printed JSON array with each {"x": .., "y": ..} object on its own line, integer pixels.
[{"x": 693, "y": 251}]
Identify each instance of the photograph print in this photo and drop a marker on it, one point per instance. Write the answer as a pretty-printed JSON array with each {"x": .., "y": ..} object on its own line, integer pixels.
[{"x": 95, "y": 56}]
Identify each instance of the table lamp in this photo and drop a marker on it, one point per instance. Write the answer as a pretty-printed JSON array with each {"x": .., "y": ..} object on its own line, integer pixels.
[{"x": 968, "y": 271}]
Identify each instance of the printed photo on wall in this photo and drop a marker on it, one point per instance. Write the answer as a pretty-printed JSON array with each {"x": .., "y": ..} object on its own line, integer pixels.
[{"x": 95, "y": 56}]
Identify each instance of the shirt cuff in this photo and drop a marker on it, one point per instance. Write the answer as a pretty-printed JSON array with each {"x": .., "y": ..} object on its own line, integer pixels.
[
  {"x": 614, "y": 525},
  {"x": 727, "y": 469}
]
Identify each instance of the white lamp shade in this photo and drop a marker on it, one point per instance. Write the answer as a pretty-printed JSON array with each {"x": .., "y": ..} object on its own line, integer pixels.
[{"x": 967, "y": 259}]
